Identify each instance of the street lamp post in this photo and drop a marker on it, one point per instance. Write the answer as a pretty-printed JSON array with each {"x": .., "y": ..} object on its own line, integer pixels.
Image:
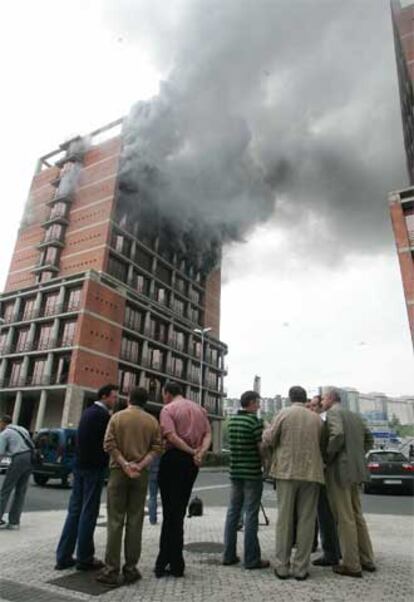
[{"x": 202, "y": 332}]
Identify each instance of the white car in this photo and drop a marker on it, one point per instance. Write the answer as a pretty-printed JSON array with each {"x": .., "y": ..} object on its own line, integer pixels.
[{"x": 5, "y": 462}]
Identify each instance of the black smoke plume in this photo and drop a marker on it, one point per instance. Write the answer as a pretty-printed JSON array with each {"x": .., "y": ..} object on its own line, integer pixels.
[{"x": 271, "y": 109}]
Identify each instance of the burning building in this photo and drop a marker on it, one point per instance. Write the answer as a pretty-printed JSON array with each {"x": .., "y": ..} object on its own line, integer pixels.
[{"x": 108, "y": 282}]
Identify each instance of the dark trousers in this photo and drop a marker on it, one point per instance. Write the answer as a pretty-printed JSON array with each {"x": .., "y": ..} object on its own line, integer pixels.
[
  {"x": 176, "y": 477},
  {"x": 327, "y": 529},
  {"x": 82, "y": 514},
  {"x": 17, "y": 479}
]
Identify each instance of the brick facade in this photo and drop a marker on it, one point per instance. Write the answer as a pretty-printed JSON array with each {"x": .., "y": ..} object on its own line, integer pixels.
[{"x": 87, "y": 302}]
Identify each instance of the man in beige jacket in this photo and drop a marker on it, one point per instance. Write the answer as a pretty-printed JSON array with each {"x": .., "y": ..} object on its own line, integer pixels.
[
  {"x": 347, "y": 440},
  {"x": 133, "y": 439},
  {"x": 296, "y": 464}
]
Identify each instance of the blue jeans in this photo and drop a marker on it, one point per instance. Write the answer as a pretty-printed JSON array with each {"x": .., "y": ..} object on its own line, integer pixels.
[
  {"x": 245, "y": 496},
  {"x": 82, "y": 515},
  {"x": 152, "y": 500}
]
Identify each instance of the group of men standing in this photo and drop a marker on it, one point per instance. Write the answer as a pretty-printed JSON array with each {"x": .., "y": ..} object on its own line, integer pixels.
[
  {"x": 132, "y": 438},
  {"x": 315, "y": 451}
]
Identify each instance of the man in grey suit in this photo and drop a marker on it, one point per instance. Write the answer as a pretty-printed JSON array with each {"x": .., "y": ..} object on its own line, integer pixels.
[{"x": 347, "y": 439}]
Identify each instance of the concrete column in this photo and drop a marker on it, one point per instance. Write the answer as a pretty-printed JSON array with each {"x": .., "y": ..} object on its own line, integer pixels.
[
  {"x": 170, "y": 331},
  {"x": 31, "y": 335},
  {"x": 17, "y": 407},
  {"x": 24, "y": 370},
  {"x": 142, "y": 379},
  {"x": 72, "y": 407},
  {"x": 147, "y": 323},
  {"x": 61, "y": 298},
  {"x": 9, "y": 339},
  {"x": 38, "y": 303},
  {"x": 216, "y": 435},
  {"x": 130, "y": 275},
  {"x": 144, "y": 354},
  {"x": 3, "y": 368},
  {"x": 17, "y": 306},
  {"x": 168, "y": 363},
  {"x": 41, "y": 410},
  {"x": 48, "y": 368},
  {"x": 55, "y": 332}
]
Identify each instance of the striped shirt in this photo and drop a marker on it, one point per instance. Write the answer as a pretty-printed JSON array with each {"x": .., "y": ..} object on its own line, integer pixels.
[{"x": 245, "y": 434}]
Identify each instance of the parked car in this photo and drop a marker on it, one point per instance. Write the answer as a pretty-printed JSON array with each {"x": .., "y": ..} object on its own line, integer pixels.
[
  {"x": 5, "y": 462},
  {"x": 57, "y": 448},
  {"x": 388, "y": 469}
]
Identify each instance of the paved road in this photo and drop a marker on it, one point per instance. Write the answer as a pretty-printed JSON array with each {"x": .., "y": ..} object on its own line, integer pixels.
[{"x": 213, "y": 488}]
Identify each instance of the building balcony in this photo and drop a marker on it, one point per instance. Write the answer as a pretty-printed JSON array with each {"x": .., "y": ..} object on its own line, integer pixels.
[
  {"x": 34, "y": 380},
  {"x": 52, "y": 241},
  {"x": 17, "y": 348},
  {"x": 132, "y": 358},
  {"x": 45, "y": 267},
  {"x": 52, "y": 310},
  {"x": 176, "y": 345},
  {"x": 9, "y": 319},
  {"x": 55, "y": 219},
  {"x": 60, "y": 197}
]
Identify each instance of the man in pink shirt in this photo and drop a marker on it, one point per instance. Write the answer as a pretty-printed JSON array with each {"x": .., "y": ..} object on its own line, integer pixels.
[{"x": 186, "y": 430}]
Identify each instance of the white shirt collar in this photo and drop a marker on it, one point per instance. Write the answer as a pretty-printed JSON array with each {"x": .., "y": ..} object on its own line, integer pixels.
[{"x": 102, "y": 405}]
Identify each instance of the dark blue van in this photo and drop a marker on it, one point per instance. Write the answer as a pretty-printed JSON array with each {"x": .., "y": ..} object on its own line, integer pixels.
[{"x": 57, "y": 447}]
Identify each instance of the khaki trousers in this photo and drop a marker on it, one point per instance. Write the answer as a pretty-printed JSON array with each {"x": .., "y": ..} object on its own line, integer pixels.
[
  {"x": 354, "y": 540},
  {"x": 125, "y": 505},
  {"x": 304, "y": 495}
]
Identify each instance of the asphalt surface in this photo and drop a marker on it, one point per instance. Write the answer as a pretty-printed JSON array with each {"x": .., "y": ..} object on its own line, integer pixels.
[{"x": 213, "y": 488}]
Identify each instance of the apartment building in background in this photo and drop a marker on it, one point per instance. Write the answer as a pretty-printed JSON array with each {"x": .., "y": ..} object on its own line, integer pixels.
[
  {"x": 91, "y": 298},
  {"x": 402, "y": 202}
]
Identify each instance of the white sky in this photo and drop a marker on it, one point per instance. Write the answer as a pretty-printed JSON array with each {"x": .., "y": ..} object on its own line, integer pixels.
[{"x": 288, "y": 322}]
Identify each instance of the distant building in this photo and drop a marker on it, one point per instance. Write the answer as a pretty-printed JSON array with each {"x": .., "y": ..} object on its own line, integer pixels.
[
  {"x": 377, "y": 408},
  {"x": 402, "y": 408}
]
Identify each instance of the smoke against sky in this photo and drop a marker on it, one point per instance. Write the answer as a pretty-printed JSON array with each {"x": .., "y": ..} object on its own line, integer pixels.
[
  {"x": 283, "y": 110},
  {"x": 312, "y": 88}
]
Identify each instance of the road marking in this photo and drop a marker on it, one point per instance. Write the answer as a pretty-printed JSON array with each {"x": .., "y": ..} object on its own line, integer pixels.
[{"x": 207, "y": 487}]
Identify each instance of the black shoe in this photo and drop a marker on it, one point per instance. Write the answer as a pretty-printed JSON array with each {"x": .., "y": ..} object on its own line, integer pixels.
[
  {"x": 161, "y": 572},
  {"x": 68, "y": 564},
  {"x": 281, "y": 576},
  {"x": 3, "y": 524},
  {"x": 92, "y": 565},
  {"x": 302, "y": 577},
  {"x": 235, "y": 560},
  {"x": 262, "y": 564},
  {"x": 322, "y": 561}
]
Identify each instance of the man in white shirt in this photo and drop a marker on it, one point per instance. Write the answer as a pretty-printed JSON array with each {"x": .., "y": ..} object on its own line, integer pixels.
[{"x": 15, "y": 442}]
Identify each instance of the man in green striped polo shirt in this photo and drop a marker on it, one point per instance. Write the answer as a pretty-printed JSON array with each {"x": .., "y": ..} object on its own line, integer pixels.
[{"x": 245, "y": 435}]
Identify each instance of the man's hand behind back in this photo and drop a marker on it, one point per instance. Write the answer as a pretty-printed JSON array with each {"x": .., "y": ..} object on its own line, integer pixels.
[{"x": 131, "y": 470}]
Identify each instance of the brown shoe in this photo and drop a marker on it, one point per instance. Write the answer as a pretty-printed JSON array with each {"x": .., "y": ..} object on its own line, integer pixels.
[
  {"x": 340, "y": 569},
  {"x": 131, "y": 576},
  {"x": 109, "y": 578},
  {"x": 370, "y": 568}
]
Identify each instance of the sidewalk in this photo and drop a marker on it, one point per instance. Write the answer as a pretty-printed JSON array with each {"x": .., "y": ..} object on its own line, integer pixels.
[{"x": 27, "y": 559}]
